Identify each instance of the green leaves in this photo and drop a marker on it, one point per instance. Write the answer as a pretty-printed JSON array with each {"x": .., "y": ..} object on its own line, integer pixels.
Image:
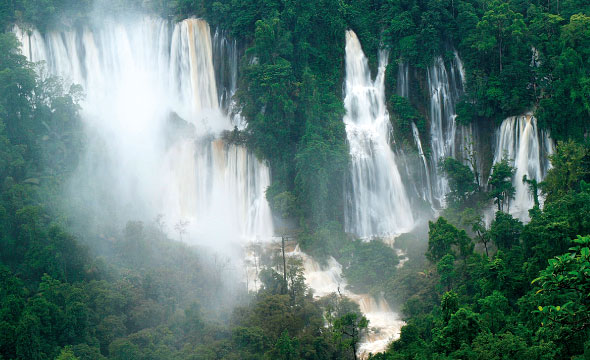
[
  {"x": 566, "y": 282},
  {"x": 500, "y": 182},
  {"x": 444, "y": 238},
  {"x": 462, "y": 182}
]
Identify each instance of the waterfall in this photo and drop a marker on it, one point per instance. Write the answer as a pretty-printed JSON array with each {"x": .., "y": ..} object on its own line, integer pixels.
[
  {"x": 528, "y": 149},
  {"x": 423, "y": 187},
  {"x": 426, "y": 185},
  {"x": 154, "y": 113},
  {"x": 384, "y": 324},
  {"x": 448, "y": 139},
  {"x": 377, "y": 204},
  {"x": 403, "y": 82},
  {"x": 225, "y": 60},
  {"x": 442, "y": 124}
]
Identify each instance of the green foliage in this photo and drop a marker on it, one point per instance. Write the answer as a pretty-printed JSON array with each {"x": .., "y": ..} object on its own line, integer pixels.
[
  {"x": 285, "y": 348},
  {"x": 570, "y": 166},
  {"x": 566, "y": 283},
  {"x": 505, "y": 231},
  {"x": 56, "y": 302},
  {"x": 406, "y": 115},
  {"x": 462, "y": 328},
  {"x": 502, "y": 190},
  {"x": 349, "y": 328},
  {"x": 462, "y": 182},
  {"x": 498, "y": 25},
  {"x": 446, "y": 271},
  {"x": 282, "y": 203},
  {"x": 367, "y": 264},
  {"x": 444, "y": 238},
  {"x": 564, "y": 108},
  {"x": 549, "y": 232}
]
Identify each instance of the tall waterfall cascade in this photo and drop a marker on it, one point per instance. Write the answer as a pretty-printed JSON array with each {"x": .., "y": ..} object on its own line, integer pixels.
[
  {"x": 527, "y": 148},
  {"x": 377, "y": 203},
  {"x": 154, "y": 115}
]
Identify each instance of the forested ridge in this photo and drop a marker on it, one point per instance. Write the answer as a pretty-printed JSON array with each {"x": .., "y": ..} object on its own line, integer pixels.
[{"x": 506, "y": 291}]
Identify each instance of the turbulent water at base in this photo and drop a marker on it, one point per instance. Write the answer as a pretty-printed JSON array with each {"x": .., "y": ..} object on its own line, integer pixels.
[
  {"x": 384, "y": 324},
  {"x": 528, "y": 149},
  {"x": 154, "y": 114},
  {"x": 377, "y": 203}
]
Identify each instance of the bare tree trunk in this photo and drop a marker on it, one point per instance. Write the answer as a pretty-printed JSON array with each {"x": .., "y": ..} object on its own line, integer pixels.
[{"x": 284, "y": 264}]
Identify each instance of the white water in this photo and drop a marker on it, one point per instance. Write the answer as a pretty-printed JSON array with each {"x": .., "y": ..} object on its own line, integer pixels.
[
  {"x": 424, "y": 187},
  {"x": 225, "y": 60},
  {"x": 384, "y": 324},
  {"x": 442, "y": 124},
  {"x": 527, "y": 148},
  {"x": 137, "y": 76},
  {"x": 448, "y": 139},
  {"x": 403, "y": 81},
  {"x": 377, "y": 204},
  {"x": 427, "y": 185}
]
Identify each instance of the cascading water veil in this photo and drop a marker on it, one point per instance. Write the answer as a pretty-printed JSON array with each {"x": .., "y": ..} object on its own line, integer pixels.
[
  {"x": 427, "y": 184},
  {"x": 448, "y": 139},
  {"x": 154, "y": 123},
  {"x": 527, "y": 149},
  {"x": 377, "y": 204},
  {"x": 442, "y": 123},
  {"x": 423, "y": 187}
]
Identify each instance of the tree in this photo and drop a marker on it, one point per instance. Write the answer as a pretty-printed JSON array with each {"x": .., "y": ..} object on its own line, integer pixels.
[
  {"x": 181, "y": 227},
  {"x": 498, "y": 26},
  {"x": 285, "y": 348},
  {"x": 446, "y": 271},
  {"x": 462, "y": 328},
  {"x": 493, "y": 311},
  {"x": 462, "y": 181},
  {"x": 533, "y": 188},
  {"x": 350, "y": 328},
  {"x": 505, "y": 230},
  {"x": 443, "y": 238},
  {"x": 28, "y": 338},
  {"x": 478, "y": 227},
  {"x": 67, "y": 353},
  {"x": 566, "y": 283},
  {"x": 570, "y": 165},
  {"x": 500, "y": 182},
  {"x": 449, "y": 305}
]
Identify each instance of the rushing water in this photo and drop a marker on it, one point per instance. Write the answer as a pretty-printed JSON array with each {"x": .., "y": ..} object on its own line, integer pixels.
[
  {"x": 377, "y": 204},
  {"x": 384, "y": 324},
  {"x": 527, "y": 148},
  {"x": 426, "y": 184},
  {"x": 443, "y": 94},
  {"x": 447, "y": 138},
  {"x": 154, "y": 114}
]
